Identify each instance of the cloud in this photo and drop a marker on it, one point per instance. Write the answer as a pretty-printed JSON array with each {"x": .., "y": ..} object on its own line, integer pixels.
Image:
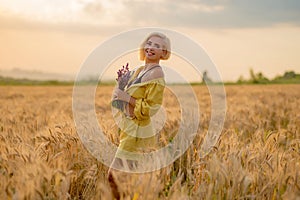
[
  {"x": 99, "y": 15},
  {"x": 196, "y": 13},
  {"x": 257, "y": 13},
  {"x": 216, "y": 14},
  {"x": 15, "y": 22}
]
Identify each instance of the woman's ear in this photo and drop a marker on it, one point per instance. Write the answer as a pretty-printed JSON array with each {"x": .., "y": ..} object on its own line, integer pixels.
[{"x": 164, "y": 54}]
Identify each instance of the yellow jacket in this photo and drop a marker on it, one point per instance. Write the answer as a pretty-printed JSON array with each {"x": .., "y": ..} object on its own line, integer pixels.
[{"x": 137, "y": 135}]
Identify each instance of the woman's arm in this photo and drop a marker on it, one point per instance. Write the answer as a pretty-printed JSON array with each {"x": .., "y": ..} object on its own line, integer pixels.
[
  {"x": 148, "y": 105},
  {"x": 145, "y": 107},
  {"x": 123, "y": 96}
]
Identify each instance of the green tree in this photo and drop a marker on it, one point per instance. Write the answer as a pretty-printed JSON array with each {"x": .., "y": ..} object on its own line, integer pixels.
[
  {"x": 289, "y": 75},
  {"x": 257, "y": 77}
]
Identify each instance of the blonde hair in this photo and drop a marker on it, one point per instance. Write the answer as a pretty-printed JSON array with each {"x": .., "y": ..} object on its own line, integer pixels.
[{"x": 166, "y": 45}]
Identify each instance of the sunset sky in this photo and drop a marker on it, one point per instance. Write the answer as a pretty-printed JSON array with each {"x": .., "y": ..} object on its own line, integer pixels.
[{"x": 57, "y": 36}]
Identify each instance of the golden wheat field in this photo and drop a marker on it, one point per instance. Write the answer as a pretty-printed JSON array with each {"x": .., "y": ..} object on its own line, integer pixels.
[{"x": 256, "y": 157}]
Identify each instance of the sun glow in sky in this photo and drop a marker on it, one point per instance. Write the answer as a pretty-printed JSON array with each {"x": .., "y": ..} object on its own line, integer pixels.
[{"x": 57, "y": 36}]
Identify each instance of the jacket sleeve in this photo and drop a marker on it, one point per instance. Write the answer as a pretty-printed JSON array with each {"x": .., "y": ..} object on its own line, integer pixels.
[{"x": 150, "y": 104}]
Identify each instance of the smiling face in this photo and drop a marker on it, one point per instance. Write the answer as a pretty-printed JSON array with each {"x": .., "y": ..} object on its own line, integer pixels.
[{"x": 154, "y": 49}]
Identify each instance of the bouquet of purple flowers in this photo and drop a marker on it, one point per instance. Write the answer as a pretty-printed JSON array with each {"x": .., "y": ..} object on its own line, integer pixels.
[
  {"x": 122, "y": 80},
  {"x": 123, "y": 77}
]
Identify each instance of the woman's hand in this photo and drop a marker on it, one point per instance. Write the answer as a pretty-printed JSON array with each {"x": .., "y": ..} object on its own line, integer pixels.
[{"x": 121, "y": 95}]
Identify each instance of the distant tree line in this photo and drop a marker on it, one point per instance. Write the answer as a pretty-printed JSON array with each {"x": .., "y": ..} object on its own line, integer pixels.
[
  {"x": 259, "y": 78},
  {"x": 13, "y": 81}
]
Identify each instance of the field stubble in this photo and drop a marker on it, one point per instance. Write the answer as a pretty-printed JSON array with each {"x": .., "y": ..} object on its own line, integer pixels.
[{"x": 256, "y": 157}]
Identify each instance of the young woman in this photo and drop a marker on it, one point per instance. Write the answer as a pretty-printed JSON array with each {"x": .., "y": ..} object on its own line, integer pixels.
[{"x": 143, "y": 97}]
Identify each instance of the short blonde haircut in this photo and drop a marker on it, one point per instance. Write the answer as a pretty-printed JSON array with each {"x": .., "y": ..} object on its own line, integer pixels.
[{"x": 166, "y": 45}]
